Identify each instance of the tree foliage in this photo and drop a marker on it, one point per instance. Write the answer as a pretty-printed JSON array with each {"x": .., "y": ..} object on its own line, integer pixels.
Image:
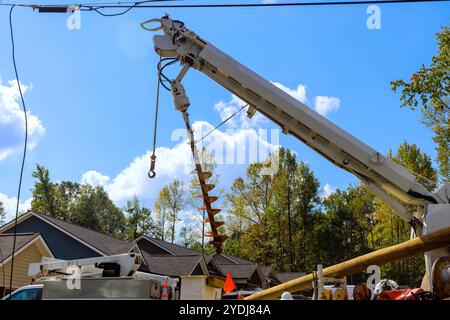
[
  {"x": 429, "y": 88},
  {"x": 139, "y": 220},
  {"x": 85, "y": 205},
  {"x": 271, "y": 217},
  {"x": 171, "y": 200},
  {"x": 44, "y": 193},
  {"x": 94, "y": 210},
  {"x": 2, "y": 213},
  {"x": 390, "y": 229}
]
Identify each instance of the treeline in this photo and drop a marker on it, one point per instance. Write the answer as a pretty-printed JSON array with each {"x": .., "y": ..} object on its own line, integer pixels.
[
  {"x": 90, "y": 206},
  {"x": 286, "y": 221}
]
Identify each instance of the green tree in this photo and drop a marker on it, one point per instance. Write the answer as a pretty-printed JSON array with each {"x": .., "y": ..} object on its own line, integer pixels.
[
  {"x": 188, "y": 236},
  {"x": 348, "y": 217},
  {"x": 416, "y": 161},
  {"x": 66, "y": 195},
  {"x": 161, "y": 208},
  {"x": 139, "y": 220},
  {"x": 271, "y": 218},
  {"x": 390, "y": 229},
  {"x": 292, "y": 213},
  {"x": 176, "y": 203},
  {"x": 429, "y": 87},
  {"x": 43, "y": 192},
  {"x": 248, "y": 201},
  {"x": 94, "y": 210}
]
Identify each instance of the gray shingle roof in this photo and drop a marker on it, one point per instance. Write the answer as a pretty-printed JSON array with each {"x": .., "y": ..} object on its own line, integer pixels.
[
  {"x": 7, "y": 241},
  {"x": 174, "y": 266},
  {"x": 224, "y": 258},
  {"x": 106, "y": 244},
  {"x": 239, "y": 271},
  {"x": 173, "y": 248}
]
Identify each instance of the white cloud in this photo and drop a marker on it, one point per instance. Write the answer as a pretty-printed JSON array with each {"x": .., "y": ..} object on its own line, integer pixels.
[
  {"x": 268, "y": 1},
  {"x": 10, "y": 206},
  {"x": 230, "y": 148},
  {"x": 94, "y": 178},
  {"x": 324, "y": 105},
  {"x": 12, "y": 122},
  {"x": 299, "y": 93},
  {"x": 327, "y": 190},
  {"x": 240, "y": 120},
  {"x": 176, "y": 162}
]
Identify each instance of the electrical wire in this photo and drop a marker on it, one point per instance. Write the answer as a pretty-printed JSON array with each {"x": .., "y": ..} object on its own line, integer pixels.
[
  {"x": 114, "y": 14},
  {"x": 222, "y": 123},
  {"x": 151, "y": 172},
  {"x": 285, "y": 4},
  {"x": 24, "y": 145},
  {"x": 93, "y": 7},
  {"x": 3, "y": 275},
  {"x": 135, "y": 4},
  {"x": 162, "y": 76}
]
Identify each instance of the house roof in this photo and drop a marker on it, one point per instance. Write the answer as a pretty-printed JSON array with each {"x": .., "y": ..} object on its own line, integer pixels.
[
  {"x": 7, "y": 242},
  {"x": 23, "y": 240},
  {"x": 107, "y": 244},
  {"x": 239, "y": 271},
  {"x": 287, "y": 276},
  {"x": 224, "y": 258},
  {"x": 266, "y": 270},
  {"x": 171, "y": 248},
  {"x": 103, "y": 244},
  {"x": 174, "y": 266},
  {"x": 175, "y": 249}
]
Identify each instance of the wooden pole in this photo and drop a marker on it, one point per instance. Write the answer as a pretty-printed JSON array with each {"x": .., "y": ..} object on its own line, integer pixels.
[{"x": 418, "y": 245}]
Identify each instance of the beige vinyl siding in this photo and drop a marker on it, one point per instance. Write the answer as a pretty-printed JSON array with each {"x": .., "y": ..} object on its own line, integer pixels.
[{"x": 21, "y": 261}]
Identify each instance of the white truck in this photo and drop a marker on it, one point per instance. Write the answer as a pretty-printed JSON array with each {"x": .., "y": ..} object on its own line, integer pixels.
[
  {"x": 110, "y": 277},
  {"x": 389, "y": 181}
]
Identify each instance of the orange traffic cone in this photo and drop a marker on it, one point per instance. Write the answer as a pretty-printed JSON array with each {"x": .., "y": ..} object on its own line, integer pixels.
[{"x": 164, "y": 294}]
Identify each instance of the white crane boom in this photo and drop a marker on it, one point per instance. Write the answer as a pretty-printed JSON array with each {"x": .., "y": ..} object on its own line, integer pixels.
[{"x": 389, "y": 181}]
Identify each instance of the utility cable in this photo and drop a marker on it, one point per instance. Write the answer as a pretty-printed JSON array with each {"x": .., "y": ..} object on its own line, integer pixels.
[
  {"x": 24, "y": 145},
  {"x": 151, "y": 172},
  {"x": 141, "y": 4},
  {"x": 135, "y": 4},
  {"x": 222, "y": 123},
  {"x": 3, "y": 275}
]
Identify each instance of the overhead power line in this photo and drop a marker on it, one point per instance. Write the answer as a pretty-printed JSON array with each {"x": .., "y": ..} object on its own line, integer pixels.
[
  {"x": 24, "y": 153},
  {"x": 145, "y": 4}
]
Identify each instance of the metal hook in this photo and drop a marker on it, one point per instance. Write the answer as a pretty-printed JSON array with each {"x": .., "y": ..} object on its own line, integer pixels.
[
  {"x": 151, "y": 172},
  {"x": 149, "y": 21}
]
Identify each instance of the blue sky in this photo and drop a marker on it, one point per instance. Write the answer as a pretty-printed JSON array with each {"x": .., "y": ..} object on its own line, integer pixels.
[{"x": 92, "y": 91}]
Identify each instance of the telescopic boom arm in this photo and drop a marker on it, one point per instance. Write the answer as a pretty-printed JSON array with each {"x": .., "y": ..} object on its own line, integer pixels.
[{"x": 383, "y": 177}]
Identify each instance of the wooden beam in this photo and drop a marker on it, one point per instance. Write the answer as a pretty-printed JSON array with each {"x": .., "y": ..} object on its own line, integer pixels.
[{"x": 418, "y": 245}]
